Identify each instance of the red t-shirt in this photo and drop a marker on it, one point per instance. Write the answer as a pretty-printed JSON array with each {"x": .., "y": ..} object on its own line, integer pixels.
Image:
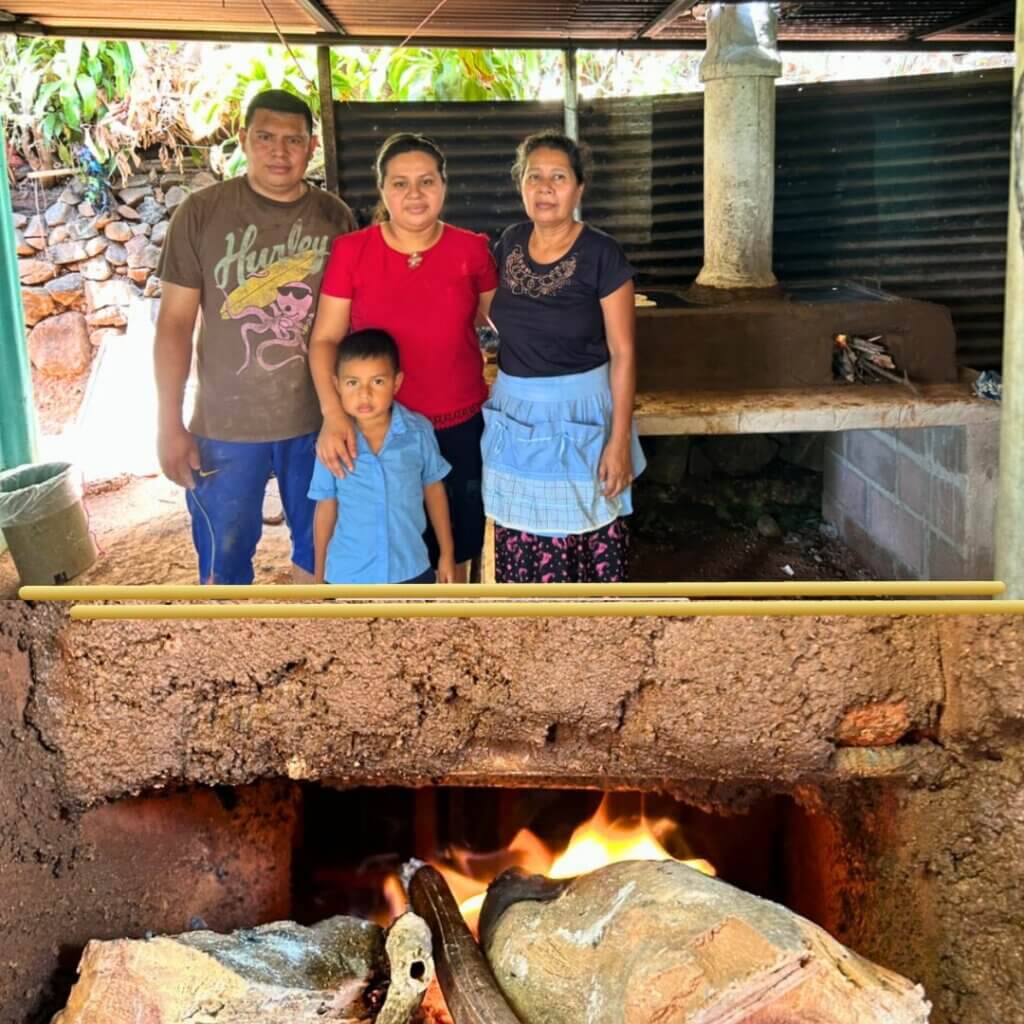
[{"x": 429, "y": 311}]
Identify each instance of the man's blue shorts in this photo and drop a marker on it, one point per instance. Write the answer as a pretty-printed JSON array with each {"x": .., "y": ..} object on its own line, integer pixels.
[{"x": 227, "y": 503}]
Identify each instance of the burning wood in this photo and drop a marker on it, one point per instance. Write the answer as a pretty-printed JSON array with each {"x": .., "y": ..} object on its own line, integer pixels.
[
  {"x": 602, "y": 839},
  {"x": 860, "y": 360},
  {"x": 280, "y": 973},
  {"x": 469, "y": 988},
  {"x": 645, "y": 941},
  {"x": 409, "y": 952}
]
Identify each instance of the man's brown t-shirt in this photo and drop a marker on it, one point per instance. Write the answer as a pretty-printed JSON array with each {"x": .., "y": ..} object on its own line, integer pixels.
[{"x": 258, "y": 265}]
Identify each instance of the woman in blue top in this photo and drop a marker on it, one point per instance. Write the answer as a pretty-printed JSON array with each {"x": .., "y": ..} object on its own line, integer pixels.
[{"x": 560, "y": 449}]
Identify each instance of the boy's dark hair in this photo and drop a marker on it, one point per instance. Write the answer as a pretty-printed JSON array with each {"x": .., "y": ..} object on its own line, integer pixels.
[
  {"x": 281, "y": 102},
  {"x": 551, "y": 138},
  {"x": 370, "y": 343}
]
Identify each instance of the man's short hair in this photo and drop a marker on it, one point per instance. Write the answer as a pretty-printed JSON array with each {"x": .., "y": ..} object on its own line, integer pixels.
[
  {"x": 281, "y": 102},
  {"x": 370, "y": 343}
]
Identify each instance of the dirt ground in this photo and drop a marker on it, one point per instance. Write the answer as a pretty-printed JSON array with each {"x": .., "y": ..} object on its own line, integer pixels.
[
  {"x": 730, "y": 553},
  {"x": 142, "y": 530}
]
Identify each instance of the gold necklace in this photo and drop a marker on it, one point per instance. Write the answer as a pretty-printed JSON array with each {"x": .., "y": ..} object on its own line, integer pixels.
[{"x": 414, "y": 259}]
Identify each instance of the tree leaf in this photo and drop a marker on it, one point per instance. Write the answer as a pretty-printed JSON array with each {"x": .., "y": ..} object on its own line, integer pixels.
[
  {"x": 73, "y": 55},
  {"x": 70, "y": 104},
  {"x": 43, "y": 97},
  {"x": 87, "y": 90},
  {"x": 121, "y": 61},
  {"x": 29, "y": 84}
]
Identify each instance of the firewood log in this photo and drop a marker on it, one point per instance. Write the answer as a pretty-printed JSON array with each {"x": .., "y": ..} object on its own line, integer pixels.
[
  {"x": 469, "y": 988},
  {"x": 274, "y": 974},
  {"x": 411, "y": 968},
  {"x": 640, "y": 942}
]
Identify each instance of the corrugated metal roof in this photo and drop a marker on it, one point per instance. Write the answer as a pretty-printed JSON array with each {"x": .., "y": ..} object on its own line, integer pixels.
[
  {"x": 542, "y": 21},
  {"x": 158, "y": 15},
  {"x": 553, "y": 19},
  {"x": 883, "y": 19},
  {"x": 908, "y": 188}
]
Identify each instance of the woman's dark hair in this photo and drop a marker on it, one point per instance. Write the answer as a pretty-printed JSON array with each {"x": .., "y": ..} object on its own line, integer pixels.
[
  {"x": 407, "y": 142},
  {"x": 396, "y": 145},
  {"x": 551, "y": 138},
  {"x": 370, "y": 343}
]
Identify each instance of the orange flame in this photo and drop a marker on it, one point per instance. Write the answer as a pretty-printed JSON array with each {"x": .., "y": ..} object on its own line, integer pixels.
[
  {"x": 602, "y": 841},
  {"x": 394, "y": 896},
  {"x": 595, "y": 844}
]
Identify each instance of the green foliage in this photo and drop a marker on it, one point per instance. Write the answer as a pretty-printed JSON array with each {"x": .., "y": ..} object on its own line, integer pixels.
[
  {"x": 375, "y": 74},
  {"x": 238, "y": 73},
  {"x": 53, "y": 90},
  {"x": 124, "y": 98},
  {"x": 452, "y": 75},
  {"x": 232, "y": 75},
  {"x": 56, "y": 92}
]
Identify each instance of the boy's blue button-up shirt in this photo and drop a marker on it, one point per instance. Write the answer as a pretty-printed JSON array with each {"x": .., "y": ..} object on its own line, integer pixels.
[{"x": 379, "y": 534}]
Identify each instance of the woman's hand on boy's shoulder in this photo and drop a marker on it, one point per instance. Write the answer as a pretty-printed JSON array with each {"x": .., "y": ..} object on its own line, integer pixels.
[{"x": 336, "y": 445}]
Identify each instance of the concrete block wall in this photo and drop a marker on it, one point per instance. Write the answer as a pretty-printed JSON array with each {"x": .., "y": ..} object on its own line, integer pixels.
[{"x": 916, "y": 503}]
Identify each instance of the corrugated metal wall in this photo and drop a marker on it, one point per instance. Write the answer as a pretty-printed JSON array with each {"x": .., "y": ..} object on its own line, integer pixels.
[
  {"x": 903, "y": 183},
  {"x": 906, "y": 184},
  {"x": 478, "y": 139}
]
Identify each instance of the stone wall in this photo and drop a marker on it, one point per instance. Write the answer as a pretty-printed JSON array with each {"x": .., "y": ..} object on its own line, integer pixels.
[
  {"x": 81, "y": 266},
  {"x": 916, "y": 504}
]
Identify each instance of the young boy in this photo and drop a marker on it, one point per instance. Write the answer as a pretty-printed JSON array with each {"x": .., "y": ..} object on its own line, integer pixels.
[{"x": 376, "y": 536}]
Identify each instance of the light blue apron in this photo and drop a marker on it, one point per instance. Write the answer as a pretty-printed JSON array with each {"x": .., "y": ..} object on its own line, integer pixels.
[{"x": 542, "y": 443}]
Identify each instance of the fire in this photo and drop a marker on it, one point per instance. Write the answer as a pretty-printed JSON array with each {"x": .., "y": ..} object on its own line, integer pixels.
[{"x": 600, "y": 841}]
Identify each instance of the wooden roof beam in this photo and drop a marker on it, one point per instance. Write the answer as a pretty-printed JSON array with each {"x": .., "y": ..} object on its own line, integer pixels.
[
  {"x": 674, "y": 10},
  {"x": 18, "y": 24},
  {"x": 321, "y": 17},
  {"x": 960, "y": 23}
]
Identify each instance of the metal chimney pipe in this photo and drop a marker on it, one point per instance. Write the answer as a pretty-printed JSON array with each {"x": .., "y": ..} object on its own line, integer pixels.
[{"x": 739, "y": 68}]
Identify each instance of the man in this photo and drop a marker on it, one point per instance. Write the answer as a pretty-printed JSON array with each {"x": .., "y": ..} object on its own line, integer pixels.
[{"x": 246, "y": 256}]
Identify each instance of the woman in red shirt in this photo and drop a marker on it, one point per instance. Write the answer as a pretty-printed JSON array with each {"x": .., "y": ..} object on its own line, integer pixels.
[{"x": 424, "y": 282}]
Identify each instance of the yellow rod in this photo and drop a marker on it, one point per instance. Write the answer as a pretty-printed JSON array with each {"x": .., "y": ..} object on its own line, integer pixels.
[
  {"x": 543, "y": 609},
  {"x": 313, "y": 592}
]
